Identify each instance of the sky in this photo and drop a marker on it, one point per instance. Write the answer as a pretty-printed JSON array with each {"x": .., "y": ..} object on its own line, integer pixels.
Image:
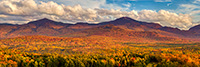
[{"x": 182, "y": 14}]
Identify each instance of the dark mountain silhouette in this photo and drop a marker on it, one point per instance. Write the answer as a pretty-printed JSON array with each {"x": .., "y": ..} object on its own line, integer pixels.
[
  {"x": 123, "y": 25},
  {"x": 128, "y": 23},
  {"x": 195, "y": 30}
]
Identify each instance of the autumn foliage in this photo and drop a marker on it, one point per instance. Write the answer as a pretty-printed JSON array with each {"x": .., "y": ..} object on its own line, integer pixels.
[{"x": 92, "y": 51}]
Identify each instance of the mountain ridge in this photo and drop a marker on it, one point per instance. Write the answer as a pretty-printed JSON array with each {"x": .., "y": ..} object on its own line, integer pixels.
[
  {"x": 101, "y": 23},
  {"x": 52, "y": 28}
]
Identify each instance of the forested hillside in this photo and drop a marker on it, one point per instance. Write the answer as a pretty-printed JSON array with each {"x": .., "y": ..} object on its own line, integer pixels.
[{"x": 122, "y": 42}]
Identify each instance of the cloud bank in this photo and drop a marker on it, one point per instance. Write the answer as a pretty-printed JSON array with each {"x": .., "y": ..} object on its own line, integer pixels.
[{"x": 22, "y": 11}]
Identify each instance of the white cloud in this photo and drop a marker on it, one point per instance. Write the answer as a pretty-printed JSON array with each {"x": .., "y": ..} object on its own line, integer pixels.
[
  {"x": 193, "y": 9},
  {"x": 190, "y": 9},
  {"x": 22, "y": 11},
  {"x": 133, "y": 0},
  {"x": 84, "y": 3},
  {"x": 197, "y": 1},
  {"x": 165, "y": 18},
  {"x": 13, "y": 7},
  {"x": 127, "y": 5},
  {"x": 162, "y": 0},
  {"x": 189, "y": 6},
  {"x": 50, "y": 8},
  {"x": 169, "y": 4}
]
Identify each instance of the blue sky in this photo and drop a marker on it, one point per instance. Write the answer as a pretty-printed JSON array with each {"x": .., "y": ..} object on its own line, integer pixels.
[
  {"x": 140, "y": 5},
  {"x": 136, "y": 4},
  {"x": 181, "y": 14},
  {"x": 152, "y": 4}
]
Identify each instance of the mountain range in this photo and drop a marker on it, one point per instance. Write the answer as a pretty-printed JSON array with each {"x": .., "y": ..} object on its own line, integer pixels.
[{"x": 123, "y": 27}]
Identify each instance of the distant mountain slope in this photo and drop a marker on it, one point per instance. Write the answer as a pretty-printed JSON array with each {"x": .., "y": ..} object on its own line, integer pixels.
[
  {"x": 129, "y": 23},
  {"x": 6, "y": 29},
  {"x": 116, "y": 32},
  {"x": 195, "y": 30},
  {"x": 121, "y": 25}
]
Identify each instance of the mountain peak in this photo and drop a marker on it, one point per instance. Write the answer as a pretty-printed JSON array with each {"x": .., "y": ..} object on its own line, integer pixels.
[
  {"x": 197, "y": 27},
  {"x": 45, "y": 20},
  {"x": 121, "y": 21},
  {"x": 126, "y": 18},
  {"x": 81, "y": 23}
]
